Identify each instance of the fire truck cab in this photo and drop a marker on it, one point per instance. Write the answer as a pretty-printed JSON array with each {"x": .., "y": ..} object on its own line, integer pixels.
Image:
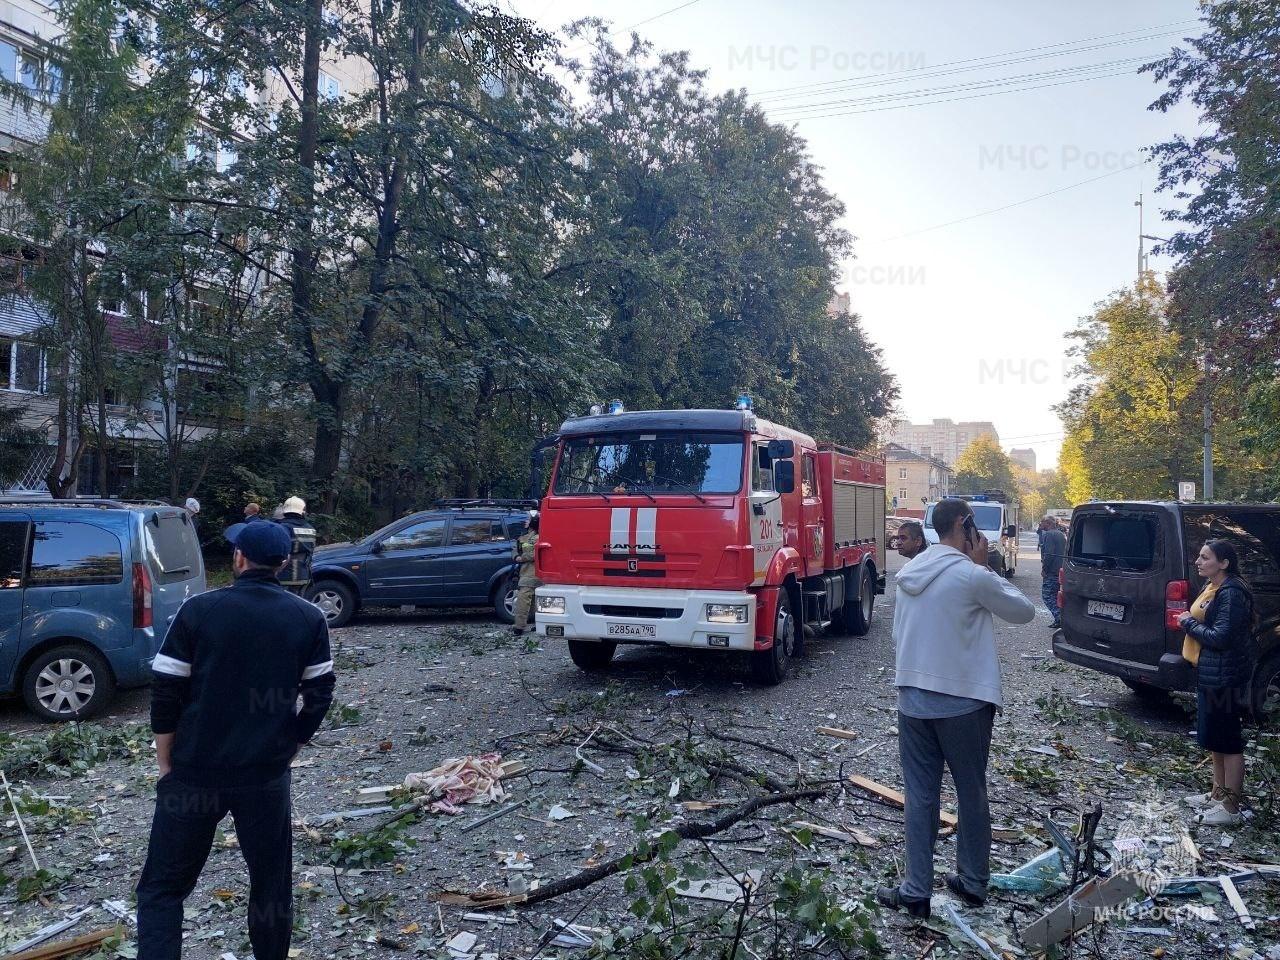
[{"x": 708, "y": 529}]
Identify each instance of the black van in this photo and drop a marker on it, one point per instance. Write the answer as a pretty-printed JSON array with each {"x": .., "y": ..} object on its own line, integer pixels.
[{"x": 1130, "y": 573}]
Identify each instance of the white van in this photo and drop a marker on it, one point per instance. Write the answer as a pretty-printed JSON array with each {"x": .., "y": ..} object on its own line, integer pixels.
[{"x": 998, "y": 522}]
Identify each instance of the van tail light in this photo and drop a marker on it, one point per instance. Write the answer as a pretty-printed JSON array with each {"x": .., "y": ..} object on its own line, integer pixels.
[
  {"x": 1177, "y": 594},
  {"x": 1062, "y": 590},
  {"x": 141, "y": 596}
]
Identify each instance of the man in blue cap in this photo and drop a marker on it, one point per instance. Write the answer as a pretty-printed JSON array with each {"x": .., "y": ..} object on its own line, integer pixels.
[{"x": 225, "y": 713}]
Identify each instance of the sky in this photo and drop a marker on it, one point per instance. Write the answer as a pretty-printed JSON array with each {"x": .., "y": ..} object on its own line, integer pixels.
[{"x": 969, "y": 302}]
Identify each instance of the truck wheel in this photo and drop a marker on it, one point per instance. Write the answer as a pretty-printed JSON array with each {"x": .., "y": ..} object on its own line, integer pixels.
[
  {"x": 1266, "y": 693},
  {"x": 770, "y": 666},
  {"x": 71, "y": 682},
  {"x": 504, "y": 599},
  {"x": 591, "y": 654},
  {"x": 858, "y": 609},
  {"x": 335, "y": 599}
]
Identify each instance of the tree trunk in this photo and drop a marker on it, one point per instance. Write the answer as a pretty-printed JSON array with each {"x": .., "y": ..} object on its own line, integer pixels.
[{"x": 328, "y": 441}]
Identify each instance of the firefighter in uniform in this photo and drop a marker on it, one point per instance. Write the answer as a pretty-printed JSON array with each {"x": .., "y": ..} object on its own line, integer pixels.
[
  {"x": 529, "y": 582},
  {"x": 296, "y": 575}
]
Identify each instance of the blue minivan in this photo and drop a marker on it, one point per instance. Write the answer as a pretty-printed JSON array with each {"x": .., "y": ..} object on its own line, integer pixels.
[{"x": 87, "y": 590}]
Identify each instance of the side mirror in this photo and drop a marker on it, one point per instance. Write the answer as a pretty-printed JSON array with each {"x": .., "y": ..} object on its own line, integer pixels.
[
  {"x": 784, "y": 473},
  {"x": 781, "y": 450},
  {"x": 377, "y": 547},
  {"x": 1011, "y": 530}
]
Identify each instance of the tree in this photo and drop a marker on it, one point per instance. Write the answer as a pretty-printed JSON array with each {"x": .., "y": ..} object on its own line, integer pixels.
[
  {"x": 984, "y": 466},
  {"x": 712, "y": 251},
  {"x": 1131, "y": 429},
  {"x": 92, "y": 202},
  {"x": 1225, "y": 288}
]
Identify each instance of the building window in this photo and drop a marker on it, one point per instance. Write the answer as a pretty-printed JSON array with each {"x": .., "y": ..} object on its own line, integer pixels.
[
  {"x": 330, "y": 87},
  {"x": 926, "y": 451},
  {"x": 902, "y": 493},
  {"x": 902, "y": 473},
  {"x": 22, "y": 366}
]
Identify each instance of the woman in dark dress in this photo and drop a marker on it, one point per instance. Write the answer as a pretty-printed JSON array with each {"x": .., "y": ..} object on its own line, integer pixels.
[{"x": 1222, "y": 679}]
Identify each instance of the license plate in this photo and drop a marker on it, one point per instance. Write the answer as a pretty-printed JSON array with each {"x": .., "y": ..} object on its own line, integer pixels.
[
  {"x": 632, "y": 630},
  {"x": 1107, "y": 611}
]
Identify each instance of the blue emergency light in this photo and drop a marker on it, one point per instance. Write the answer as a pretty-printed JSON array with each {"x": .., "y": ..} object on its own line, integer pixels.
[
  {"x": 615, "y": 406},
  {"x": 743, "y": 402}
]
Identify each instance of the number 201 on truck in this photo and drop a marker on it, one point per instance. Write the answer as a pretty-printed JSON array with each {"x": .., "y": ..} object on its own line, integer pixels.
[{"x": 708, "y": 529}]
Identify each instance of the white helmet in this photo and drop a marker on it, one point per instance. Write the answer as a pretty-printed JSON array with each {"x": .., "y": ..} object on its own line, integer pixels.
[{"x": 192, "y": 505}]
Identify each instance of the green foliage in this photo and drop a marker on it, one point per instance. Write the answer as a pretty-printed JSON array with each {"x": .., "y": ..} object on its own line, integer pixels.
[
  {"x": 41, "y": 882},
  {"x": 1057, "y": 709},
  {"x": 71, "y": 749},
  {"x": 1130, "y": 423},
  {"x": 18, "y": 441},
  {"x": 356, "y": 849},
  {"x": 984, "y": 466}
]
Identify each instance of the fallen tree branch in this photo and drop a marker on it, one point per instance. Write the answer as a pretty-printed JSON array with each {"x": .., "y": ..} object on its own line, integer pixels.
[
  {"x": 758, "y": 744},
  {"x": 638, "y": 855}
]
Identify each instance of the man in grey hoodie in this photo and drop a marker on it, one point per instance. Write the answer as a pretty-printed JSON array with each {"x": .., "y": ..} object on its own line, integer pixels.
[{"x": 948, "y": 680}]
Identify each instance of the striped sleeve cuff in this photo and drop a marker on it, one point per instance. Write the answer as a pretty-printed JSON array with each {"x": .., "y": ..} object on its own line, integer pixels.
[
  {"x": 171, "y": 666},
  {"x": 315, "y": 670}
]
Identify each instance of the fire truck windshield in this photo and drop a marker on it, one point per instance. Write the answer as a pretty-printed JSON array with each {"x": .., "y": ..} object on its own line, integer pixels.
[{"x": 648, "y": 463}]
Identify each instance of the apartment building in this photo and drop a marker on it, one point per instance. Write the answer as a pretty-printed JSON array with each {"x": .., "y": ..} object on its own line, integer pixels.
[
  {"x": 1025, "y": 456},
  {"x": 29, "y": 33},
  {"x": 914, "y": 479},
  {"x": 942, "y": 439}
]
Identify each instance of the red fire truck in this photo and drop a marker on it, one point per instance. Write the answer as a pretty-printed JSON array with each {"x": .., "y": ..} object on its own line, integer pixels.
[{"x": 706, "y": 528}]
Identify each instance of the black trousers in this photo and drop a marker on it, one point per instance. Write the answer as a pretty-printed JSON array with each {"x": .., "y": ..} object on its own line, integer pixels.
[{"x": 181, "y": 838}]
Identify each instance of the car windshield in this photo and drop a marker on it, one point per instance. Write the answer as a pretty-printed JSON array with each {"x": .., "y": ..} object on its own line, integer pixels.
[
  {"x": 665, "y": 462},
  {"x": 1121, "y": 541},
  {"x": 985, "y": 515}
]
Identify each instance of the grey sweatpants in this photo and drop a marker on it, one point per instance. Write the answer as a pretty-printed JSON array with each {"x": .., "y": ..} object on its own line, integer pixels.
[{"x": 964, "y": 744}]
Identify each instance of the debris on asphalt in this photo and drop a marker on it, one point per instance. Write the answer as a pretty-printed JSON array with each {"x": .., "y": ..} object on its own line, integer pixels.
[
  {"x": 460, "y": 780},
  {"x": 720, "y": 889},
  {"x": 1079, "y": 910}
]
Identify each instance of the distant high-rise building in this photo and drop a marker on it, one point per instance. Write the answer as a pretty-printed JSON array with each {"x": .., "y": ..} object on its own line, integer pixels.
[
  {"x": 942, "y": 438},
  {"x": 1025, "y": 456}
]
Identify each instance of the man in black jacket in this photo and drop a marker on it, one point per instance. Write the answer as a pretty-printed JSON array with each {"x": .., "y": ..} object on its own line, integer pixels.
[
  {"x": 224, "y": 709},
  {"x": 1053, "y": 550}
]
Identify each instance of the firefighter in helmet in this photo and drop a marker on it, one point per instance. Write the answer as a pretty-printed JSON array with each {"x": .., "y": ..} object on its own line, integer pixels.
[
  {"x": 525, "y": 548},
  {"x": 296, "y": 575}
]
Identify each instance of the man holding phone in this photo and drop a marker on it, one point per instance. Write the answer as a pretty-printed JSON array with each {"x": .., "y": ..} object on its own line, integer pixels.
[{"x": 948, "y": 680}]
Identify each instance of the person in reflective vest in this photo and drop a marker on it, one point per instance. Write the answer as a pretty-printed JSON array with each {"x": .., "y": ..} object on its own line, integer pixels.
[
  {"x": 525, "y": 549},
  {"x": 296, "y": 575}
]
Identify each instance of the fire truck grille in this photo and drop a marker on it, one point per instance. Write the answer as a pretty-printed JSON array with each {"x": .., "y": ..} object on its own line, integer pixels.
[{"x": 644, "y": 613}]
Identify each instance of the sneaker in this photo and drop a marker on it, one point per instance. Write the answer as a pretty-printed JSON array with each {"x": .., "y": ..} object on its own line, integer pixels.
[
  {"x": 1056, "y": 625},
  {"x": 892, "y": 898},
  {"x": 1201, "y": 801},
  {"x": 956, "y": 886},
  {"x": 1219, "y": 816}
]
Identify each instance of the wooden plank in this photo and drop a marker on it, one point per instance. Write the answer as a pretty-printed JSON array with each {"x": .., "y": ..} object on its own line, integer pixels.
[
  {"x": 1237, "y": 902},
  {"x": 68, "y": 948},
  {"x": 838, "y": 733},
  {"x": 849, "y": 836},
  {"x": 1079, "y": 910},
  {"x": 889, "y": 795}
]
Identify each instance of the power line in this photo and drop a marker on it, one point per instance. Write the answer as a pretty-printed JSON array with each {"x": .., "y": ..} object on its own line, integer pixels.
[
  {"x": 659, "y": 16},
  {"x": 990, "y": 83},
  {"x": 932, "y": 74},
  {"x": 1019, "y": 203},
  {"x": 976, "y": 96},
  {"x": 977, "y": 61}
]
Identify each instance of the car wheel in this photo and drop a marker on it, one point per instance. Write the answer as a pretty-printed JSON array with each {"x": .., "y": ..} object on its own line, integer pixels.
[
  {"x": 1266, "y": 693},
  {"x": 770, "y": 666},
  {"x": 71, "y": 682},
  {"x": 591, "y": 654},
  {"x": 504, "y": 599},
  {"x": 1145, "y": 691},
  {"x": 857, "y": 615},
  {"x": 336, "y": 601}
]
